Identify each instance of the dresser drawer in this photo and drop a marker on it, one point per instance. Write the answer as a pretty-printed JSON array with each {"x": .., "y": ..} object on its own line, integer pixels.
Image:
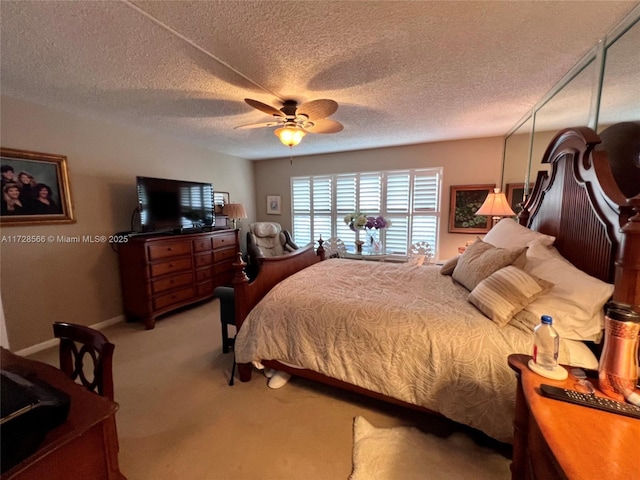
[
  {"x": 164, "y": 250},
  {"x": 204, "y": 274},
  {"x": 167, "y": 283},
  {"x": 202, "y": 244},
  {"x": 203, "y": 259},
  {"x": 163, "y": 301},
  {"x": 171, "y": 266},
  {"x": 224, "y": 241},
  {"x": 222, "y": 255},
  {"x": 223, "y": 267},
  {"x": 205, "y": 289}
]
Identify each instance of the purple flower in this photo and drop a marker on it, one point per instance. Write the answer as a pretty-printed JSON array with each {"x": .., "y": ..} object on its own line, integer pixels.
[
  {"x": 380, "y": 222},
  {"x": 371, "y": 223}
]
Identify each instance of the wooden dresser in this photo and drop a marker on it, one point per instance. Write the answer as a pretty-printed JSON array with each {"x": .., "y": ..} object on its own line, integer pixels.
[
  {"x": 557, "y": 440},
  {"x": 160, "y": 273}
]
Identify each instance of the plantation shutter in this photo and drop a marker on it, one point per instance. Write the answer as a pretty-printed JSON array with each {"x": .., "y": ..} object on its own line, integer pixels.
[{"x": 408, "y": 199}]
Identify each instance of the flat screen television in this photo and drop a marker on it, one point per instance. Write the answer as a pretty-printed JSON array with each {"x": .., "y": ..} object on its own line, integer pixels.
[{"x": 174, "y": 205}]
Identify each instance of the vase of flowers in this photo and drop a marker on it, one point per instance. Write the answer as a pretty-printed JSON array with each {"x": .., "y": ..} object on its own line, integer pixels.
[
  {"x": 373, "y": 227},
  {"x": 356, "y": 222}
]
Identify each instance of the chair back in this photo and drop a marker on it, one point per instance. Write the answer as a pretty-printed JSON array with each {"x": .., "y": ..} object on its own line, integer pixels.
[
  {"x": 420, "y": 254},
  {"x": 266, "y": 236},
  {"x": 77, "y": 343},
  {"x": 334, "y": 248}
]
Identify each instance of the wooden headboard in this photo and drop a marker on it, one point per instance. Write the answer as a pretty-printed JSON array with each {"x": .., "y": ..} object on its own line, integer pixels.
[{"x": 580, "y": 203}]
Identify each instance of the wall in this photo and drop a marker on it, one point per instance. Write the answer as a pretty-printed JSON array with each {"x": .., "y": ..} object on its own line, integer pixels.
[
  {"x": 465, "y": 162},
  {"x": 79, "y": 282}
]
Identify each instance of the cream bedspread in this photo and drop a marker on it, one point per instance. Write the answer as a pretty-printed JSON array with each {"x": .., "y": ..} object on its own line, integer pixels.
[{"x": 403, "y": 331}]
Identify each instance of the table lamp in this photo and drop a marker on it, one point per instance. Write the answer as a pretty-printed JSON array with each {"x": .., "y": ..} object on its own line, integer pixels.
[
  {"x": 235, "y": 211},
  {"x": 496, "y": 206}
]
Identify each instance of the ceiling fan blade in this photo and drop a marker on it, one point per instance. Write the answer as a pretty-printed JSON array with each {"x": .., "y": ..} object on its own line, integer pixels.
[
  {"x": 325, "y": 126},
  {"x": 257, "y": 125},
  {"x": 263, "y": 107},
  {"x": 318, "y": 109}
]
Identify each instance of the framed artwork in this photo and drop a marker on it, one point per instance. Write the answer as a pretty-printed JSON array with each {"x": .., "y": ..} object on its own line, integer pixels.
[
  {"x": 220, "y": 199},
  {"x": 35, "y": 188},
  {"x": 515, "y": 195},
  {"x": 465, "y": 200},
  {"x": 274, "y": 204}
]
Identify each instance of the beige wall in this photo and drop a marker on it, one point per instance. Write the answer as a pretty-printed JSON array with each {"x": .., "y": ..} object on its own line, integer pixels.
[
  {"x": 43, "y": 283},
  {"x": 465, "y": 162}
]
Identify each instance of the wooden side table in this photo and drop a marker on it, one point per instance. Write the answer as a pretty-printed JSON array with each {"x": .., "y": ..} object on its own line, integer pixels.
[{"x": 560, "y": 440}]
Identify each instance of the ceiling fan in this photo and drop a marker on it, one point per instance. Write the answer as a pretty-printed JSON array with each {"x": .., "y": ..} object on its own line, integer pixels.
[{"x": 296, "y": 121}]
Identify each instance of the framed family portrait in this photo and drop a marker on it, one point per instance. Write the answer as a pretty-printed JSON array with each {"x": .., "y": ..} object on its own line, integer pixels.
[
  {"x": 35, "y": 188},
  {"x": 515, "y": 195},
  {"x": 274, "y": 204},
  {"x": 465, "y": 200}
]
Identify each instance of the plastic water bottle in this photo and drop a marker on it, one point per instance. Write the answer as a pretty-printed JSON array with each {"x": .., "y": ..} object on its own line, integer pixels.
[{"x": 546, "y": 344}]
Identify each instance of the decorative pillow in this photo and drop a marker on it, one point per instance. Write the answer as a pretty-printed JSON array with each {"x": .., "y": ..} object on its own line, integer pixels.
[
  {"x": 509, "y": 234},
  {"x": 506, "y": 292},
  {"x": 576, "y": 301},
  {"x": 480, "y": 260},
  {"x": 448, "y": 266}
]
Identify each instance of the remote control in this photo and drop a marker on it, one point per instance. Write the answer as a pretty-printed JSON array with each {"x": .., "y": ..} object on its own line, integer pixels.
[{"x": 592, "y": 401}]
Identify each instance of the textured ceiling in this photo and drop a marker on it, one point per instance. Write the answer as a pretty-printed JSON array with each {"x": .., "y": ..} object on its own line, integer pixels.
[{"x": 402, "y": 72}]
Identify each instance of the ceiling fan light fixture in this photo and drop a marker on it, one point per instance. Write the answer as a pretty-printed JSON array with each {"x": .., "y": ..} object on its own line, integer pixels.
[{"x": 290, "y": 135}]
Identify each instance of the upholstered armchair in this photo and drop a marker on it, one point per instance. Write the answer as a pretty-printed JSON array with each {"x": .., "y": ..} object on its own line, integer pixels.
[{"x": 268, "y": 239}]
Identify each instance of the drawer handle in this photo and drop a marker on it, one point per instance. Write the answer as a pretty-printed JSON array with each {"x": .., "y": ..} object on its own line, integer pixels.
[{"x": 170, "y": 249}]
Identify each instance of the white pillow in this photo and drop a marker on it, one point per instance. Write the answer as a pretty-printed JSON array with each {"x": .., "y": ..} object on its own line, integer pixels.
[
  {"x": 576, "y": 301},
  {"x": 506, "y": 292},
  {"x": 509, "y": 234}
]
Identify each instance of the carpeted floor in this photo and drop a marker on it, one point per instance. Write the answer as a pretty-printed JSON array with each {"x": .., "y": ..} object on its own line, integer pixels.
[{"x": 179, "y": 419}]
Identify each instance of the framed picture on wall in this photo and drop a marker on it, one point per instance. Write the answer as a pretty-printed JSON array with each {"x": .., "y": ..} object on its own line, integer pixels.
[
  {"x": 274, "y": 204},
  {"x": 35, "y": 188},
  {"x": 465, "y": 200},
  {"x": 515, "y": 195},
  {"x": 220, "y": 199}
]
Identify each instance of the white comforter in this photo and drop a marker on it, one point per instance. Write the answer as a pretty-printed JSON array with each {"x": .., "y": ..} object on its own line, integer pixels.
[{"x": 403, "y": 331}]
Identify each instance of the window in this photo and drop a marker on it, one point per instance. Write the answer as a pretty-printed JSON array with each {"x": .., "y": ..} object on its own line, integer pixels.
[{"x": 410, "y": 199}]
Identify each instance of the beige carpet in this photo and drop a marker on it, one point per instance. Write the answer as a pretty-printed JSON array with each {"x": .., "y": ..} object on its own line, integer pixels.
[
  {"x": 406, "y": 453},
  {"x": 179, "y": 419}
]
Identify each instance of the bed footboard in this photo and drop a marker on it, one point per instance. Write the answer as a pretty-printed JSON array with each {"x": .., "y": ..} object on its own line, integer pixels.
[{"x": 272, "y": 270}]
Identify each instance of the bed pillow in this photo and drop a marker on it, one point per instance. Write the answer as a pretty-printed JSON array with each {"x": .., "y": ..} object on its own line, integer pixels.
[
  {"x": 506, "y": 292},
  {"x": 509, "y": 234},
  {"x": 576, "y": 301},
  {"x": 480, "y": 260},
  {"x": 448, "y": 266}
]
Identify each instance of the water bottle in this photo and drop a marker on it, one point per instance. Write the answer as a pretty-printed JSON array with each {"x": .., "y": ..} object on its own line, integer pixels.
[{"x": 546, "y": 344}]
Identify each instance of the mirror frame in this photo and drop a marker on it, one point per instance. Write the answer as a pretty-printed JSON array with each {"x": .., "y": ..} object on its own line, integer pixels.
[{"x": 597, "y": 54}]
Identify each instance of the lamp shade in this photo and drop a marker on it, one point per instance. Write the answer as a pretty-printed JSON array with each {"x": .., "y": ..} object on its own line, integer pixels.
[
  {"x": 234, "y": 211},
  {"x": 290, "y": 135},
  {"x": 496, "y": 205}
]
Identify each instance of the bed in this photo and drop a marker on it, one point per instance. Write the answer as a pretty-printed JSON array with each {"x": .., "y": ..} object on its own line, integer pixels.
[{"x": 437, "y": 338}]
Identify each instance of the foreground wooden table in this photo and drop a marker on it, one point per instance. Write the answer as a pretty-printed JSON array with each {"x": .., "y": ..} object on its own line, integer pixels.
[
  {"x": 559, "y": 440},
  {"x": 85, "y": 447}
]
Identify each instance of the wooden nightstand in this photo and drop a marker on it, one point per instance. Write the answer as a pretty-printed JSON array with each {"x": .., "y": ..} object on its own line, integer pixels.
[{"x": 560, "y": 440}]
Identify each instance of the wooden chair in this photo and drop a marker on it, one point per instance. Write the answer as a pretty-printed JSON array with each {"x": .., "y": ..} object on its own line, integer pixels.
[{"x": 76, "y": 343}]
